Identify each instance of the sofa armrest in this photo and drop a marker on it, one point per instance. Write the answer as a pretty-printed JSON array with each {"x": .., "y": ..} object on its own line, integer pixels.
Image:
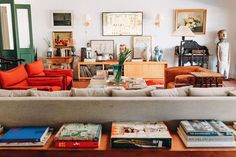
[
  {"x": 68, "y": 72},
  {"x": 47, "y": 81}
]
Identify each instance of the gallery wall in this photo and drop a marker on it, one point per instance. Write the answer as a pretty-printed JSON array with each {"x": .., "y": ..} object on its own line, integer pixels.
[{"x": 220, "y": 16}]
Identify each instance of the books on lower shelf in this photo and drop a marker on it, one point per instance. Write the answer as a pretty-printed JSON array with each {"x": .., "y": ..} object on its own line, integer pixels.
[
  {"x": 25, "y": 136},
  {"x": 78, "y": 135},
  {"x": 140, "y": 134},
  {"x": 205, "y": 133}
]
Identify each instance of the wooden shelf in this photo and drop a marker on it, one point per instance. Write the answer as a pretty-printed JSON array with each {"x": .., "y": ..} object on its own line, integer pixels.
[{"x": 178, "y": 150}]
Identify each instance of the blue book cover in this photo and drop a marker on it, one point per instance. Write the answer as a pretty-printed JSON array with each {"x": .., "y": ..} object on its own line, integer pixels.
[{"x": 24, "y": 134}]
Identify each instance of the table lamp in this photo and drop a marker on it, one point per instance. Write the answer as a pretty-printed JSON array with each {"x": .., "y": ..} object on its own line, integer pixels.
[{"x": 183, "y": 32}]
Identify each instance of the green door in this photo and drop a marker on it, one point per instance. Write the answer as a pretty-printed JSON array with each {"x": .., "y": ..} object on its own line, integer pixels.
[{"x": 24, "y": 32}]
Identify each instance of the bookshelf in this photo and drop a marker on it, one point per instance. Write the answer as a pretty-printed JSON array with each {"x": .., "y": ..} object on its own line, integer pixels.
[
  {"x": 177, "y": 150},
  {"x": 94, "y": 66}
]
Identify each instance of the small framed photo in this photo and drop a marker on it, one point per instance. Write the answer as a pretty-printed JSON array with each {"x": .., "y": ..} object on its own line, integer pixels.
[
  {"x": 102, "y": 46},
  {"x": 122, "y": 23},
  {"x": 62, "y": 19},
  {"x": 142, "y": 46},
  {"x": 195, "y": 19}
]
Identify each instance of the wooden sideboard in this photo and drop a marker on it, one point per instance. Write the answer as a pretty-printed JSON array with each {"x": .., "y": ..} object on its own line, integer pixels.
[
  {"x": 146, "y": 70},
  {"x": 65, "y": 61}
]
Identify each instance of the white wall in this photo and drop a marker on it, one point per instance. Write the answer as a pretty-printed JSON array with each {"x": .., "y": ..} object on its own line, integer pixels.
[{"x": 220, "y": 15}]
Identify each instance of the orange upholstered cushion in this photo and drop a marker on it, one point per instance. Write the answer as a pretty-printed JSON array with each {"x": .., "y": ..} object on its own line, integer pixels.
[
  {"x": 183, "y": 78},
  {"x": 13, "y": 76},
  {"x": 35, "y": 68}
]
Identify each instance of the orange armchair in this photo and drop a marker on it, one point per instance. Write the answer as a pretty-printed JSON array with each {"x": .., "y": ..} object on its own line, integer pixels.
[
  {"x": 36, "y": 69},
  {"x": 17, "y": 78},
  {"x": 178, "y": 76}
]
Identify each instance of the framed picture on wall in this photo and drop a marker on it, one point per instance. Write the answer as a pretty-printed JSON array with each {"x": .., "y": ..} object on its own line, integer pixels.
[
  {"x": 62, "y": 19},
  {"x": 122, "y": 23},
  {"x": 142, "y": 46},
  {"x": 103, "y": 46},
  {"x": 195, "y": 19},
  {"x": 62, "y": 39}
]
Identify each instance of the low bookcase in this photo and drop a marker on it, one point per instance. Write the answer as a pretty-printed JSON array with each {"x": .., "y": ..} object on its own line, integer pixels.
[{"x": 177, "y": 150}]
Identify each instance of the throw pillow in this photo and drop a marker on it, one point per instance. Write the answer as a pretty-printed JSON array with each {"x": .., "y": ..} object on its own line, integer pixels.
[
  {"x": 133, "y": 93},
  {"x": 50, "y": 94},
  {"x": 5, "y": 93},
  {"x": 215, "y": 91},
  {"x": 173, "y": 92},
  {"x": 90, "y": 92}
]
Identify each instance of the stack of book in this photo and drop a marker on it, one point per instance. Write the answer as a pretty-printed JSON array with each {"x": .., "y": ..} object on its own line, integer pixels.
[
  {"x": 205, "y": 133},
  {"x": 25, "y": 136},
  {"x": 140, "y": 135},
  {"x": 78, "y": 135}
]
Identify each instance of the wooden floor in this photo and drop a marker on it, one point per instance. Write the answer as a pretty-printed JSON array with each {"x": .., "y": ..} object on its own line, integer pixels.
[{"x": 84, "y": 83}]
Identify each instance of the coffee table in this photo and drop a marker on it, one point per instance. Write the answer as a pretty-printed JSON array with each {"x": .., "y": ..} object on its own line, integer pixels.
[
  {"x": 205, "y": 79},
  {"x": 127, "y": 83}
]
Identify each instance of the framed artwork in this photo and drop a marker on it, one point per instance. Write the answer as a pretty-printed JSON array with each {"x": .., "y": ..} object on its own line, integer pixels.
[
  {"x": 142, "y": 46},
  {"x": 122, "y": 23},
  {"x": 62, "y": 19},
  {"x": 62, "y": 39},
  {"x": 103, "y": 46},
  {"x": 195, "y": 19}
]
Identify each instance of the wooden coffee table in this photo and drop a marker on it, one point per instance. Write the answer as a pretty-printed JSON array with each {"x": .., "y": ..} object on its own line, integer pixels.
[{"x": 207, "y": 79}]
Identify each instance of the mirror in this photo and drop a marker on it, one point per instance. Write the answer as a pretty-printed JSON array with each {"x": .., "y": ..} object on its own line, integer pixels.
[
  {"x": 23, "y": 28},
  {"x": 6, "y": 26}
]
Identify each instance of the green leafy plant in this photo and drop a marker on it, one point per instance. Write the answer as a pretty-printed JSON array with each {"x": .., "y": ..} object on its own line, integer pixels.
[{"x": 124, "y": 55}]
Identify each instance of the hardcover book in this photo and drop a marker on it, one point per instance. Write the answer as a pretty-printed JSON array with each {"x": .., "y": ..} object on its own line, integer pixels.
[
  {"x": 205, "y": 128},
  {"x": 79, "y": 132},
  {"x": 140, "y": 134},
  {"x": 25, "y": 134}
]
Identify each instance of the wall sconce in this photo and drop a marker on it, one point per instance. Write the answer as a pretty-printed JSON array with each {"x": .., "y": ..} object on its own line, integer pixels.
[
  {"x": 87, "y": 21},
  {"x": 157, "y": 20}
]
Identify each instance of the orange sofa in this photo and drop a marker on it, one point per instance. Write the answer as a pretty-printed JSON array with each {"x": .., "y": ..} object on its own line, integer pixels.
[
  {"x": 181, "y": 76},
  {"x": 36, "y": 69},
  {"x": 17, "y": 78}
]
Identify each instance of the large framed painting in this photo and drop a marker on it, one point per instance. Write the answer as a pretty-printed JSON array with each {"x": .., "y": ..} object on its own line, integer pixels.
[
  {"x": 62, "y": 39},
  {"x": 62, "y": 19},
  {"x": 142, "y": 46},
  {"x": 122, "y": 23},
  {"x": 195, "y": 19},
  {"x": 102, "y": 46}
]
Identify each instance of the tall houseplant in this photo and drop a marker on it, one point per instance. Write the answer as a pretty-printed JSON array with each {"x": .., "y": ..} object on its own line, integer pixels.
[{"x": 124, "y": 55}]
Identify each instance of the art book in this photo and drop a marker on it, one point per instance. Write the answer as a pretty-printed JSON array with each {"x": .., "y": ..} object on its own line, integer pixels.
[
  {"x": 25, "y": 134},
  {"x": 79, "y": 132},
  {"x": 140, "y": 134}
]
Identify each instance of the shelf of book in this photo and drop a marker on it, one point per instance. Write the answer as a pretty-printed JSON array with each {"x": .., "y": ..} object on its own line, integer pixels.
[{"x": 177, "y": 150}]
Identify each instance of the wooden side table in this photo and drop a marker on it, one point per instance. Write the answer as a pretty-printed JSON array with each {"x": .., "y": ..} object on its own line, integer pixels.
[
  {"x": 203, "y": 78},
  {"x": 67, "y": 61}
]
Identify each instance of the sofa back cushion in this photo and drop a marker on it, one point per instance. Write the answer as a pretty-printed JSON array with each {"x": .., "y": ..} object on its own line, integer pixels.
[
  {"x": 35, "y": 69},
  {"x": 13, "y": 76},
  {"x": 50, "y": 94},
  {"x": 209, "y": 92},
  {"x": 133, "y": 93},
  {"x": 90, "y": 92},
  {"x": 174, "y": 92}
]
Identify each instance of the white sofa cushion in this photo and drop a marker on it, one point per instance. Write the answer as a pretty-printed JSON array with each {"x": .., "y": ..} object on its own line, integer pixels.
[
  {"x": 50, "y": 94},
  {"x": 232, "y": 93},
  {"x": 90, "y": 92},
  {"x": 22, "y": 93},
  {"x": 133, "y": 93},
  {"x": 174, "y": 92},
  {"x": 5, "y": 93},
  {"x": 215, "y": 91}
]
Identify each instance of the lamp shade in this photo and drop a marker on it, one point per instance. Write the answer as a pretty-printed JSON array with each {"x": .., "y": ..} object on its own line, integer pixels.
[{"x": 183, "y": 31}]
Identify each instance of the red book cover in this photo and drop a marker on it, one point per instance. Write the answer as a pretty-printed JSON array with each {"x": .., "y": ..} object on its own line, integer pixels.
[{"x": 76, "y": 144}]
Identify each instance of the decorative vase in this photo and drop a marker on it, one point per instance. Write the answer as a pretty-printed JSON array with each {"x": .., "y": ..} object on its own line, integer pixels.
[
  {"x": 117, "y": 71},
  {"x": 49, "y": 52}
]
